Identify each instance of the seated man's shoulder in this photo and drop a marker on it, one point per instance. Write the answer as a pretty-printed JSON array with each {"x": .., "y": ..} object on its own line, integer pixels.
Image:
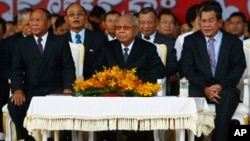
[
  {"x": 159, "y": 35},
  {"x": 145, "y": 44},
  {"x": 95, "y": 33}
]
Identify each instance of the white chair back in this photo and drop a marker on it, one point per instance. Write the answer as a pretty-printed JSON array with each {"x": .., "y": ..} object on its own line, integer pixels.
[
  {"x": 159, "y": 135},
  {"x": 162, "y": 52},
  {"x": 77, "y": 51}
]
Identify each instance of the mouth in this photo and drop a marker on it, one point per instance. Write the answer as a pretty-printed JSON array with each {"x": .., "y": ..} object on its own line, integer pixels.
[
  {"x": 34, "y": 29},
  {"x": 76, "y": 21},
  {"x": 121, "y": 36}
]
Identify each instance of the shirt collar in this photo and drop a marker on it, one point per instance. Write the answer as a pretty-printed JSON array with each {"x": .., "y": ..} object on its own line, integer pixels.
[
  {"x": 44, "y": 37},
  {"x": 129, "y": 46},
  {"x": 110, "y": 38},
  {"x": 217, "y": 37},
  {"x": 73, "y": 35},
  {"x": 152, "y": 37},
  {"x": 241, "y": 37}
]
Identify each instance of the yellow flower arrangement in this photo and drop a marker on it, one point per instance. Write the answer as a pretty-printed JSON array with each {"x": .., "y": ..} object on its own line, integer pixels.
[{"x": 115, "y": 80}]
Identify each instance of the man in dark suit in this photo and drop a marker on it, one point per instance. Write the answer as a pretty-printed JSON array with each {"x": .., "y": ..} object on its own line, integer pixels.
[
  {"x": 109, "y": 24},
  {"x": 129, "y": 52},
  {"x": 148, "y": 22},
  {"x": 42, "y": 65},
  {"x": 237, "y": 24},
  {"x": 75, "y": 17},
  {"x": 4, "y": 85},
  {"x": 5, "y": 56},
  {"x": 11, "y": 42},
  {"x": 213, "y": 61}
]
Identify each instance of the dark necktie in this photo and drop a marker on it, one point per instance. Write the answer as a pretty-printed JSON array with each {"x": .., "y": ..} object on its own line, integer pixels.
[
  {"x": 211, "y": 54},
  {"x": 78, "y": 39},
  {"x": 40, "y": 46},
  {"x": 125, "y": 55},
  {"x": 147, "y": 37}
]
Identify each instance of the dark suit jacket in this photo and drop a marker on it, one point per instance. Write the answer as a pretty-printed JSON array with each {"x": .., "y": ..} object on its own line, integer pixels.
[
  {"x": 143, "y": 56},
  {"x": 171, "y": 66},
  {"x": 7, "y": 46},
  {"x": 93, "y": 42},
  {"x": 4, "y": 73},
  {"x": 41, "y": 75},
  {"x": 196, "y": 66}
]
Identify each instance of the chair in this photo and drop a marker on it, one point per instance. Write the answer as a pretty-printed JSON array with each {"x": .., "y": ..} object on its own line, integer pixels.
[
  {"x": 77, "y": 51},
  {"x": 242, "y": 112},
  {"x": 8, "y": 125},
  {"x": 162, "y": 52}
]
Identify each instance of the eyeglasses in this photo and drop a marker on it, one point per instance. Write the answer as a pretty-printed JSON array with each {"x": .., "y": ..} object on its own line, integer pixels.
[
  {"x": 123, "y": 27},
  {"x": 167, "y": 22},
  {"x": 36, "y": 20},
  {"x": 78, "y": 14}
]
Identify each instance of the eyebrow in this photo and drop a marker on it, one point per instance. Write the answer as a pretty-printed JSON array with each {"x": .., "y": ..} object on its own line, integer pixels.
[{"x": 76, "y": 11}]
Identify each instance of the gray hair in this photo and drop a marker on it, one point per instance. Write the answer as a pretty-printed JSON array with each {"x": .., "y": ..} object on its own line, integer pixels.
[
  {"x": 131, "y": 16},
  {"x": 23, "y": 12}
]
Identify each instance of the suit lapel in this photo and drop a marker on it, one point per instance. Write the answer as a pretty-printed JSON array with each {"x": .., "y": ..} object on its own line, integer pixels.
[
  {"x": 133, "y": 53},
  {"x": 157, "y": 38},
  {"x": 222, "y": 53},
  {"x": 33, "y": 44},
  {"x": 49, "y": 46},
  {"x": 87, "y": 40},
  {"x": 118, "y": 52},
  {"x": 31, "y": 49},
  {"x": 69, "y": 37}
]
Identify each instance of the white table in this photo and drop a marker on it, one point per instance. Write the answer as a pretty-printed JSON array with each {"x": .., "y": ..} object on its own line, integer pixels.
[{"x": 54, "y": 113}]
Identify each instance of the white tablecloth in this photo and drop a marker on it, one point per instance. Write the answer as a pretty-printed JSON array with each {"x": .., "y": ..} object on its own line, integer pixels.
[{"x": 123, "y": 113}]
